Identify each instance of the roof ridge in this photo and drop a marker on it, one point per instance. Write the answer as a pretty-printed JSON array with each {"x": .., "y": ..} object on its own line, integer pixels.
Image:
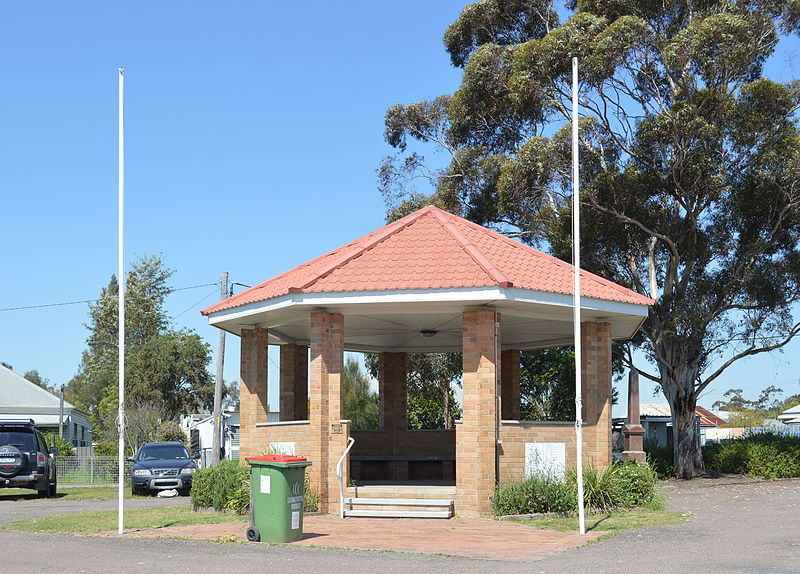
[
  {"x": 492, "y": 270},
  {"x": 380, "y": 236},
  {"x": 584, "y": 273}
]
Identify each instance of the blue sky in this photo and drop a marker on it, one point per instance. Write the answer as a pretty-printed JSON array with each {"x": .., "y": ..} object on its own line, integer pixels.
[{"x": 253, "y": 131}]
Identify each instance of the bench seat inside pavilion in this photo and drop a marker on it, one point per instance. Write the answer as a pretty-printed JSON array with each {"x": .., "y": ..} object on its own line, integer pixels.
[{"x": 430, "y": 282}]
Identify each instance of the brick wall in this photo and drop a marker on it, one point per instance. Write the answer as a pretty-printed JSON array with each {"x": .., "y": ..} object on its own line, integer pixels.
[
  {"x": 515, "y": 435},
  {"x": 392, "y": 391}
]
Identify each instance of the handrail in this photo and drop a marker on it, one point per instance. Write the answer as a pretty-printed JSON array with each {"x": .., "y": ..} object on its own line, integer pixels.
[{"x": 350, "y": 442}]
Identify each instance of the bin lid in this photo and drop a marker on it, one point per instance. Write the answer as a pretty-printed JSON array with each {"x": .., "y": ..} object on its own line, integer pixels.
[{"x": 276, "y": 458}]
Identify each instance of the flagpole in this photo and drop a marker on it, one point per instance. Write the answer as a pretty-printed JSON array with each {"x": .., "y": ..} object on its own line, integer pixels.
[
  {"x": 576, "y": 302},
  {"x": 121, "y": 314}
]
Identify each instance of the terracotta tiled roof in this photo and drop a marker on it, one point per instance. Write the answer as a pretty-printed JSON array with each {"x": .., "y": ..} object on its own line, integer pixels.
[{"x": 431, "y": 249}]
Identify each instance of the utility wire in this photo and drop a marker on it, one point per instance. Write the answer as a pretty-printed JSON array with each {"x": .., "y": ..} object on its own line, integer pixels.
[{"x": 93, "y": 300}]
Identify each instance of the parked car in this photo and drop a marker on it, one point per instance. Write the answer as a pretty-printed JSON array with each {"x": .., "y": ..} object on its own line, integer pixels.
[
  {"x": 25, "y": 460},
  {"x": 162, "y": 466}
]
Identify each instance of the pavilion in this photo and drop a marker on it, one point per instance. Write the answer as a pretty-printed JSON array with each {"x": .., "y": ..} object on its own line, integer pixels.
[{"x": 429, "y": 282}]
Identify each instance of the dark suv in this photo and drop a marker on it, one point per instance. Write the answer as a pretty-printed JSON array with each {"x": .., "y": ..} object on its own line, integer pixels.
[
  {"x": 25, "y": 460},
  {"x": 162, "y": 466}
]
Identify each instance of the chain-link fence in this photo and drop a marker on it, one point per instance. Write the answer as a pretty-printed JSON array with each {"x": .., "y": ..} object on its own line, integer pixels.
[{"x": 91, "y": 470}]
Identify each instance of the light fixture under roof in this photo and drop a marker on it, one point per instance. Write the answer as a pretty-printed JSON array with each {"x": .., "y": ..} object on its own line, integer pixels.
[{"x": 427, "y": 332}]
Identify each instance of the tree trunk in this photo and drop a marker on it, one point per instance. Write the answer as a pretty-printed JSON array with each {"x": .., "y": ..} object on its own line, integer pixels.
[{"x": 687, "y": 456}]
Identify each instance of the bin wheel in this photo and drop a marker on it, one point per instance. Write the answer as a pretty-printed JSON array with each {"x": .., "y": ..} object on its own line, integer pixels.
[{"x": 253, "y": 535}]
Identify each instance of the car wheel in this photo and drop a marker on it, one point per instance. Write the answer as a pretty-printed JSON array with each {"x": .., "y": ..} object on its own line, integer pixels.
[
  {"x": 53, "y": 489},
  {"x": 44, "y": 492},
  {"x": 12, "y": 461}
]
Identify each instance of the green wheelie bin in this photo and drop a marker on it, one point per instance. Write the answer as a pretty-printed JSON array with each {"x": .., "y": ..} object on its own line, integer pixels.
[{"x": 276, "y": 497}]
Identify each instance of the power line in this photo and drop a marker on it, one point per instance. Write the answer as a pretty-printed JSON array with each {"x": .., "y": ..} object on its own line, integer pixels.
[{"x": 25, "y": 307}]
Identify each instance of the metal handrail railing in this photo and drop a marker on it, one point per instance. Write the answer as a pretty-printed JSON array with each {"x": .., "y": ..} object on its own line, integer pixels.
[{"x": 350, "y": 442}]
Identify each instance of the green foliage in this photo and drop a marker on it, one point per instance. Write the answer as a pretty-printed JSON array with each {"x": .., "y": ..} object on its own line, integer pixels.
[
  {"x": 690, "y": 164},
  {"x": 538, "y": 494},
  {"x": 547, "y": 384},
  {"x": 165, "y": 369},
  {"x": 765, "y": 455},
  {"x": 361, "y": 405},
  {"x": 621, "y": 485},
  {"x": 38, "y": 380},
  {"x": 659, "y": 458},
  {"x": 64, "y": 447},
  {"x": 225, "y": 486},
  {"x": 430, "y": 378},
  {"x": 635, "y": 482}
]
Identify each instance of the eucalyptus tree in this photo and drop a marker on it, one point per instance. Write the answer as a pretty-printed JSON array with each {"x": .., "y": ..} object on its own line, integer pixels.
[{"x": 690, "y": 165}]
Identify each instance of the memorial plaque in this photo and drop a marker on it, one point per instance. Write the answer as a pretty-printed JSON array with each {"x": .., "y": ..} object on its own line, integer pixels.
[
  {"x": 336, "y": 428},
  {"x": 545, "y": 459}
]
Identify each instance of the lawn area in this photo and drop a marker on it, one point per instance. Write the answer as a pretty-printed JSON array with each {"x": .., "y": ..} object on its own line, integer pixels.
[
  {"x": 68, "y": 493},
  {"x": 104, "y": 520},
  {"x": 615, "y": 522}
]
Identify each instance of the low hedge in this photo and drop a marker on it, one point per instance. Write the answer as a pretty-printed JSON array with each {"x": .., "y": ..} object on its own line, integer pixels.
[
  {"x": 765, "y": 456},
  {"x": 621, "y": 485},
  {"x": 227, "y": 487}
]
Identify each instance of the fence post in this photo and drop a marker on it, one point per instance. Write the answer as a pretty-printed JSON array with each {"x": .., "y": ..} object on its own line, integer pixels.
[{"x": 91, "y": 470}]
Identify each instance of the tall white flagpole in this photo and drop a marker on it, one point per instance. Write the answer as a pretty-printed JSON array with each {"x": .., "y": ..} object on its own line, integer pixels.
[
  {"x": 121, "y": 315},
  {"x": 576, "y": 297}
]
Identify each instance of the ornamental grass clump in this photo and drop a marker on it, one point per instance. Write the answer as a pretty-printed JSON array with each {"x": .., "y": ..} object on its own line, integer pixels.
[{"x": 225, "y": 486}]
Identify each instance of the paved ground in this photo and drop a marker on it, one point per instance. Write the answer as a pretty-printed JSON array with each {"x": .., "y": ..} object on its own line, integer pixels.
[
  {"x": 739, "y": 526},
  {"x": 469, "y": 538}
]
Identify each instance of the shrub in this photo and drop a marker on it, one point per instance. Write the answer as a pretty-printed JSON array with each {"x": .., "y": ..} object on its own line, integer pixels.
[
  {"x": 766, "y": 456},
  {"x": 601, "y": 490},
  {"x": 635, "y": 482},
  {"x": 624, "y": 484},
  {"x": 659, "y": 458},
  {"x": 64, "y": 447},
  {"x": 225, "y": 486},
  {"x": 533, "y": 495}
]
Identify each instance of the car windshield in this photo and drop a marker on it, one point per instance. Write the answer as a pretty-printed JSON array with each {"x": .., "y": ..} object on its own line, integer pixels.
[
  {"x": 22, "y": 439},
  {"x": 159, "y": 451}
]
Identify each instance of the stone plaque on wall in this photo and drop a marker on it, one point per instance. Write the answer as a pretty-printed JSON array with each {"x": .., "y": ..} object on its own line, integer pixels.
[{"x": 545, "y": 458}]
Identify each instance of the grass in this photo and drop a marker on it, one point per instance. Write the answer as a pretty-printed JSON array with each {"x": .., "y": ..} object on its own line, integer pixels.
[
  {"x": 105, "y": 520},
  {"x": 69, "y": 493},
  {"x": 615, "y": 522}
]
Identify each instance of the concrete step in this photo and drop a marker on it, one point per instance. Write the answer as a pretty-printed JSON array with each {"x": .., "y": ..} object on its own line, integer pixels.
[
  {"x": 399, "y": 501},
  {"x": 370, "y": 513}
]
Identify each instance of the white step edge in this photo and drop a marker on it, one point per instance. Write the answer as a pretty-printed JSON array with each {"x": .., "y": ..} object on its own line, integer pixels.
[
  {"x": 398, "y": 513},
  {"x": 400, "y": 501}
]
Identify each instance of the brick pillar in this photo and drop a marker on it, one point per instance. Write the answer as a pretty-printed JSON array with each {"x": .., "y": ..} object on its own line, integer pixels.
[
  {"x": 294, "y": 382},
  {"x": 509, "y": 361},
  {"x": 330, "y": 436},
  {"x": 253, "y": 407},
  {"x": 596, "y": 382},
  {"x": 475, "y": 436},
  {"x": 392, "y": 389},
  {"x": 393, "y": 393}
]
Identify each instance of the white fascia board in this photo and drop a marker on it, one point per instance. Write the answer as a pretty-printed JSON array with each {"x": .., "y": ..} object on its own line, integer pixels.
[{"x": 466, "y": 296}]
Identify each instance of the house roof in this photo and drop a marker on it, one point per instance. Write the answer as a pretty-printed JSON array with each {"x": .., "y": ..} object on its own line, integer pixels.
[
  {"x": 707, "y": 418},
  {"x": 431, "y": 249},
  {"x": 18, "y": 392}
]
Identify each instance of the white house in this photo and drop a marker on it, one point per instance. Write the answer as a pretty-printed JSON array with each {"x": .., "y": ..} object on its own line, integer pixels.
[
  {"x": 791, "y": 417},
  {"x": 21, "y": 399}
]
